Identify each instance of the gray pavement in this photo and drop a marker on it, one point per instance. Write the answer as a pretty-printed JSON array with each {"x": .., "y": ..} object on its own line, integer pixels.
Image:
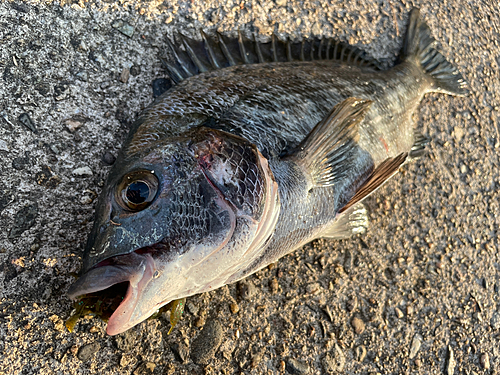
[{"x": 419, "y": 293}]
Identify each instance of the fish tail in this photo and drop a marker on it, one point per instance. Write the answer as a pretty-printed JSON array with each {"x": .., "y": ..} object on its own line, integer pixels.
[{"x": 418, "y": 47}]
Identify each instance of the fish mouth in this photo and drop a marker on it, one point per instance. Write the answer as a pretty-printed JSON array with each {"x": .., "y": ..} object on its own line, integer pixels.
[{"x": 123, "y": 276}]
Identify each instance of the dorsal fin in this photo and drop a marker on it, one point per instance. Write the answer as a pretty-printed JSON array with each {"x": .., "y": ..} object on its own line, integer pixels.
[{"x": 196, "y": 57}]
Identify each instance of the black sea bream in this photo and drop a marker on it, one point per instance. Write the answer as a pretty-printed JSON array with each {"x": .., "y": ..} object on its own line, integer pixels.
[{"x": 257, "y": 150}]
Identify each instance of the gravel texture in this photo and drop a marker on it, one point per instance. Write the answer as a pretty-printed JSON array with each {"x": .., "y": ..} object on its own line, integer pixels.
[{"x": 419, "y": 293}]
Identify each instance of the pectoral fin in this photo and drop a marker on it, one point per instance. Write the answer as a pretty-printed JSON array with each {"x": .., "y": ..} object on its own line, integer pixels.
[{"x": 324, "y": 153}]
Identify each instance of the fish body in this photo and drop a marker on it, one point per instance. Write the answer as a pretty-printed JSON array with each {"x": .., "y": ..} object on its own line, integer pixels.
[{"x": 235, "y": 167}]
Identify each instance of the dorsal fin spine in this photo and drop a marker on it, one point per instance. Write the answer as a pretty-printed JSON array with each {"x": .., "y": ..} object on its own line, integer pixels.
[
  {"x": 201, "y": 67},
  {"x": 335, "y": 50},
  {"x": 225, "y": 51},
  {"x": 181, "y": 62},
  {"x": 243, "y": 52},
  {"x": 320, "y": 48},
  {"x": 174, "y": 74},
  {"x": 275, "y": 52},
  {"x": 328, "y": 46},
  {"x": 210, "y": 52},
  {"x": 258, "y": 50},
  {"x": 218, "y": 53},
  {"x": 302, "y": 57},
  {"x": 289, "y": 50}
]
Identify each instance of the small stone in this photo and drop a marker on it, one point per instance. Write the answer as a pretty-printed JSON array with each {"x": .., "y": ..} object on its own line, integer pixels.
[
  {"x": 274, "y": 285},
  {"x": 450, "y": 362},
  {"x": 123, "y": 27},
  {"x": 122, "y": 116},
  {"x": 181, "y": 351},
  {"x": 86, "y": 199},
  {"x": 409, "y": 310},
  {"x": 83, "y": 171},
  {"x": 46, "y": 178},
  {"x": 351, "y": 303},
  {"x": 335, "y": 362},
  {"x": 200, "y": 322},
  {"x": 9, "y": 272},
  {"x": 281, "y": 3},
  {"x": 257, "y": 358},
  {"x": 23, "y": 220},
  {"x": 61, "y": 91},
  {"x": 86, "y": 352},
  {"x": 127, "y": 341},
  {"x": 58, "y": 323},
  {"x": 399, "y": 313},
  {"x": 6, "y": 197},
  {"x": 459, "y": 133},
  {"x": 135, "y": 70},
  {"x": 418, "y": 362},
  {"x": 128, "y": 360},
  {"x": 4, "y": 145},
  {"x": 415, "y": 345},
  {"x": 192, "y": 308},
  {"x": 43, "y": 88},
  {"x": 108, "y": 158},
  {"x": 23, "y": 8},
  {"x": 82, "y": 76},
  {"x": 313, "y": 288},
  {"x": 25, "y": 119},
  {"x": 495, "y": 320},
  {"x": 317, "y": 30},
  {"x": 234, "y": 307},
  {"x": 246, "y": 289},
  {"x": 207, "y": 342},
  {"x": 145, "y": 368},
  {"x": 57, "y": 148},
  {"x": 360, "y": 353},
  {"x": 20, "y": 163},
  {"x": 484, "y": 361},
  {"x": 125, "y": 75},
  {"x": 75, "y": 123},
  {"x": 358, "y": 325},
  {"x": 294, "y": 366}
]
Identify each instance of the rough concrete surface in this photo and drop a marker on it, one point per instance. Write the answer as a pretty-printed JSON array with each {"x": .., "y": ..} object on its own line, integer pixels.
[{"x": 419, "y": 293}]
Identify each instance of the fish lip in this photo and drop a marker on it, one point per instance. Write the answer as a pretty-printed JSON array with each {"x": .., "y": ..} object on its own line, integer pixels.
[{"x": 138, "y": 270}]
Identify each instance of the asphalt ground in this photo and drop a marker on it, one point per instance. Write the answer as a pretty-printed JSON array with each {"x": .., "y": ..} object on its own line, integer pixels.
[{"x": 418, "y": 293}]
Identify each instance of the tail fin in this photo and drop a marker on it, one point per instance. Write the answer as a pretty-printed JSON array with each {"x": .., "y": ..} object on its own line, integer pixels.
[{"x": 419, "y": 46}]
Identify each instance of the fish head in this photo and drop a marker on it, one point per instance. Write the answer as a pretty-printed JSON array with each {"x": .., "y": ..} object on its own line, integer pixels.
[{"x": 178, "y": 218}]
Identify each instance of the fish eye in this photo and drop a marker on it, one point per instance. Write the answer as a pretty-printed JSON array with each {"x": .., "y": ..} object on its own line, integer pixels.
[{"x": 137, "y": 190}]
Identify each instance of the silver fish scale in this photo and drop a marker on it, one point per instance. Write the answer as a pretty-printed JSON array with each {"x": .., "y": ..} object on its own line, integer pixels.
[{"x": 191, "y": 217}]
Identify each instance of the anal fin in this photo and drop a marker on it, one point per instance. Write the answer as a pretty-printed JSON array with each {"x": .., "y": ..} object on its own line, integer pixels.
[
  {"x": 377, "y": 178},
  {"x": 324, "y": 153},
  {"x": 352, "y": 221}
]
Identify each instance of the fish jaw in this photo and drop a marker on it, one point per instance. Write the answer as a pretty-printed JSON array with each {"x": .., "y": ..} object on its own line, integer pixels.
[{"x": 136, "y": 269}]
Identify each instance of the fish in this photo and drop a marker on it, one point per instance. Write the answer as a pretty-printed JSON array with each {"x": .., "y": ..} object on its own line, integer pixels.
[{"x": 256, "y": 150}]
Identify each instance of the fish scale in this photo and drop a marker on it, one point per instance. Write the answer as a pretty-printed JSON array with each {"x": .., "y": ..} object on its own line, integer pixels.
[{"x": 257, "y": 150}]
